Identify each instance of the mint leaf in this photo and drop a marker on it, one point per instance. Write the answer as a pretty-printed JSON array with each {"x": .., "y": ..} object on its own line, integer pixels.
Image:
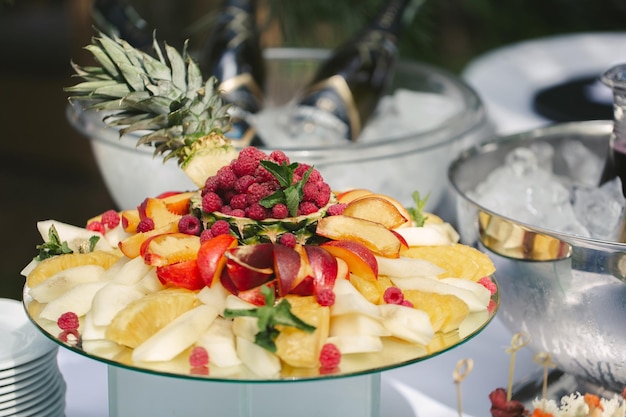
[
  {"x": 290, "y": 194},
  {"x": 417, "y": 212},
  {"x": 53, "y": 246},
  {"x": 269, "y": 316}
]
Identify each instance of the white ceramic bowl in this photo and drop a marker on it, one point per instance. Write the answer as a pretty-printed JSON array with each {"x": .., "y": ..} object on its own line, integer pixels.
[{"x": 396, "y": 165}]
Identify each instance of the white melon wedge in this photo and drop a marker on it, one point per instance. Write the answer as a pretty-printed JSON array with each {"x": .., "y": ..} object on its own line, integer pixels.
[
  {"x": 349, "y": 300},
  {"x": 177, "y": 336},
  {"x": 404, "y": 267},
  {"x": 74, "y": 236},
  {"x": 258, "y": 360},
  {"x": 76, "y": 300},
  {"x": 356, "y": 343},
  {"x": 215, "y": 296},
  {"x": 407, "y": 323},
  {"x": 132, "y": 271},
  {"x": 473, "y": 301},
  {"x": 356, "y": 324},
  {"x": 61, "y": 282},
  {"x": 483, "y": 294},
  {"x": 245, "y": 327},
  {"x": 431, "y": 234},
  {"x": 116, "y": 235},
  {"x": 150, "y": 283},
  {"x": 89, "y": 331},
  {"x": 219, "y": 342},
  {"x": 110, "y": 300}
]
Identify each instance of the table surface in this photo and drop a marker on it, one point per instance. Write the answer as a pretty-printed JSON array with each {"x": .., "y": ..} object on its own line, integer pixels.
[{"x": 422, "y": 389}]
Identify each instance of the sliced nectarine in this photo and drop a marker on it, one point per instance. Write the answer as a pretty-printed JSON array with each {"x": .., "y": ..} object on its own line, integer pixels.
[
  {"x": 358, "y": 258},
  {"x": 131, "y": 246},
  {"x": 375, "y": 236},
  {"x": 250, "y": 266},
  {"x": 181, "y": 275},
  {"x": 169, "y": 248},
  {"x": 211, "y": 258},
  {"x": 130, "y": 219},
  {"x": 286, "y": 266},
  {"x": 376, "y": 209},
  {"x": 178, "y": 203},
  {"x": 156, "y": 209},
  {"x": 324, "y": 267},
  {"x": 347, "y": 196},
  {"x": 403, "y": 210}
]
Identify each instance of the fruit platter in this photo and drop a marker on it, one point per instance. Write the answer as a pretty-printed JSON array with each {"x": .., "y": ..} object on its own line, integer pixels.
[{"x": 262, "y": 273}]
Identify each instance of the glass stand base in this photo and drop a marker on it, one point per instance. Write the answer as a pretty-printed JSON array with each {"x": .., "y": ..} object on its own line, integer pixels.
[{"x": 133, "y": 393}]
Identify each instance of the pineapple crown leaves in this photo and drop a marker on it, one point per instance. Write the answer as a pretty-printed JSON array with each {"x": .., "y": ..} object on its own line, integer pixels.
[
  {"x": 290, "y": 193},
  {"x": 165, "y": 94},
  {"x": 270, "y": 316}
]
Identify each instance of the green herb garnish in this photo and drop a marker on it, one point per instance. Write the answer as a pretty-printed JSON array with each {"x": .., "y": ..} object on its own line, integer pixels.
[
  {"x": 53, "y": 246},
  {"x": 270, "y": 316},
  {"x": 417, "y": 212},
  {"x": 289, "y": 194}
]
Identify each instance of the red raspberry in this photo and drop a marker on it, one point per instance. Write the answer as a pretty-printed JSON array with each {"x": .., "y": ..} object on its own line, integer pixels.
[
  {"x": 239, "y": 201},
  {"x": 257, "y": 212},
  {"x": 330, "y": 356},
  {"x": 64, "y": 336},
  {"x": 211, "y": 202},
  {"x": 238, "y": 213},
  {"x": 211, "y": 185},
  {"x": 111, "y": 219},
  {"x": 189, "y": 224},
  {"x": 325, "y": 297},
  {"x": 226, "y": 178},
  {"x": 145, "y": 225},
  {"x": 256, "y": 192},
  {"x": 393, "y": 295},
  {"x": 227, "y": 195},
  {"x": 226, "y": 209},
  {"x": 263, "y": 175},
  {"x": 323, "y": 195},
  {"x": 198, "y": 357},
  {"x": 489, "y": 284},
  {"x": 310, "y": 191},
  {"x": 287, "y": 239},
  {"x": 407, "y": 303},
  {"x": 336, "y": 209},
  {"x": 206, "y": 235},
  {"x": 280, "y": 211},
  {"x": 220, "y": 227},
  {"x": 315, "y": 176},
  {"x": 253, "y": 153},
  {"x": 306, "y": 207},
  {"x": 242, "y": 183},
  {"x": 245, "y": 166},
  {"x": 96, "y": 226},
  {"x": 68, "y": 321},
  {"x": 279, "y": 157},
  {"x": 301, "y": 169}
]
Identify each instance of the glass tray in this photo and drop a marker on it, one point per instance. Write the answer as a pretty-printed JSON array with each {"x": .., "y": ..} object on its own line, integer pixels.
[{"x": 394, "y": 354}]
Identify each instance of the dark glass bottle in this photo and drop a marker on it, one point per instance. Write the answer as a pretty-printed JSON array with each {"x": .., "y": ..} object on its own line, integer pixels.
[
  {"x": 347, "y": 87},
  {"x": 119, "y": 18},
  {"x": 233, "y": 55},
  {"x": 615, "y": 164}
]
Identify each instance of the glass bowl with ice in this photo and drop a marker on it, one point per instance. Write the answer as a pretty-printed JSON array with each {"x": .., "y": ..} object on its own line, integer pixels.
[{"x": 532, "y": 202}]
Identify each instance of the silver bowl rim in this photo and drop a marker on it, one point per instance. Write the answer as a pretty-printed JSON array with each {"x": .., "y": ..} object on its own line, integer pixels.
[
  {"x": 471, "y": 117},
  {"x": 589, "y": 127}
]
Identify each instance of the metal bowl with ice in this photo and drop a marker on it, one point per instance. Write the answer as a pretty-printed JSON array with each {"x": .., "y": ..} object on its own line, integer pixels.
[
  {"x": 429, "y": 116},
  {"x": 561, "y": 275}
]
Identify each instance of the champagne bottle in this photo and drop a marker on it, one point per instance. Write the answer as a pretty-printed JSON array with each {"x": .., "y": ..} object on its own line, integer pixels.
[
  {"x": 119, "y": 18},
  {"x": 347, "y": 87},
  {"x": 233, "y": 55}
]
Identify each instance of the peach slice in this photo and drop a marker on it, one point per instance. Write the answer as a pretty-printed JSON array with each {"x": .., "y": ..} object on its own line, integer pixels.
[
  {"x": 183, "y": 274},
  {"x": 131, "y": 246},
  {"x": 130, "y": 220},
  {"x": 211, "y": 260},
  {"x": 156, "y": 209},
  {"x": 358, "y": 258},
  {"x": 403, "y": 210},
  {"x": 345, "y": 197},
  {"x": 286, "y": 266},
  {"x": 324, "y": 268},
  {"x": 375, "y": 236},
  {"x": 376, "y": 209},
  {"x": 169, "y": 248},
  {"x": 178, "y": 202}
]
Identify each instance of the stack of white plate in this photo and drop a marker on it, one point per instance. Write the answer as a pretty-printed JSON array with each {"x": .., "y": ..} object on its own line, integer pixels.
[{"x": 30, "y": 381}]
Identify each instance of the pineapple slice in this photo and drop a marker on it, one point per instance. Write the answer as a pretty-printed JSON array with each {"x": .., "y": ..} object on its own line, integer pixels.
[
  {"x": 446, "y": 311},
  {"x": 372, "y": 291},
  {"x": 51, "y": 266},
  {"x": 458, "y": 260},
  {"x": 296, "y": 347},
  {"x": 142, "y": 318}
]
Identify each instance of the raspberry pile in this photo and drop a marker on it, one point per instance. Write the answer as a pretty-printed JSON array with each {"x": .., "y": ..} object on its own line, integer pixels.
[{"x": 238, "y": 188}]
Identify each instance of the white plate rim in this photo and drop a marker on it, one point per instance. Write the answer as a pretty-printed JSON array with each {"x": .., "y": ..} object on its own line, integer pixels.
[{"x": 36, "y": 407}]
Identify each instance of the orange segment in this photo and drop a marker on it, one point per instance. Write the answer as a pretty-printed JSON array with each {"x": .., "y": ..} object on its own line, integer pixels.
[
  {"x": 459, "y": 261},
  {"x": 144, "y": 317},
  {"x": 48, "y": 267}
]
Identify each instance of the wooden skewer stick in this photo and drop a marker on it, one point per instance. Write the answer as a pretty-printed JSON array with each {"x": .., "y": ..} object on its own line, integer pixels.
[
  {"x": 518, "y": 341},
  {"x": 461, "y": 371},
  {"x": 545, "y": 360}
]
